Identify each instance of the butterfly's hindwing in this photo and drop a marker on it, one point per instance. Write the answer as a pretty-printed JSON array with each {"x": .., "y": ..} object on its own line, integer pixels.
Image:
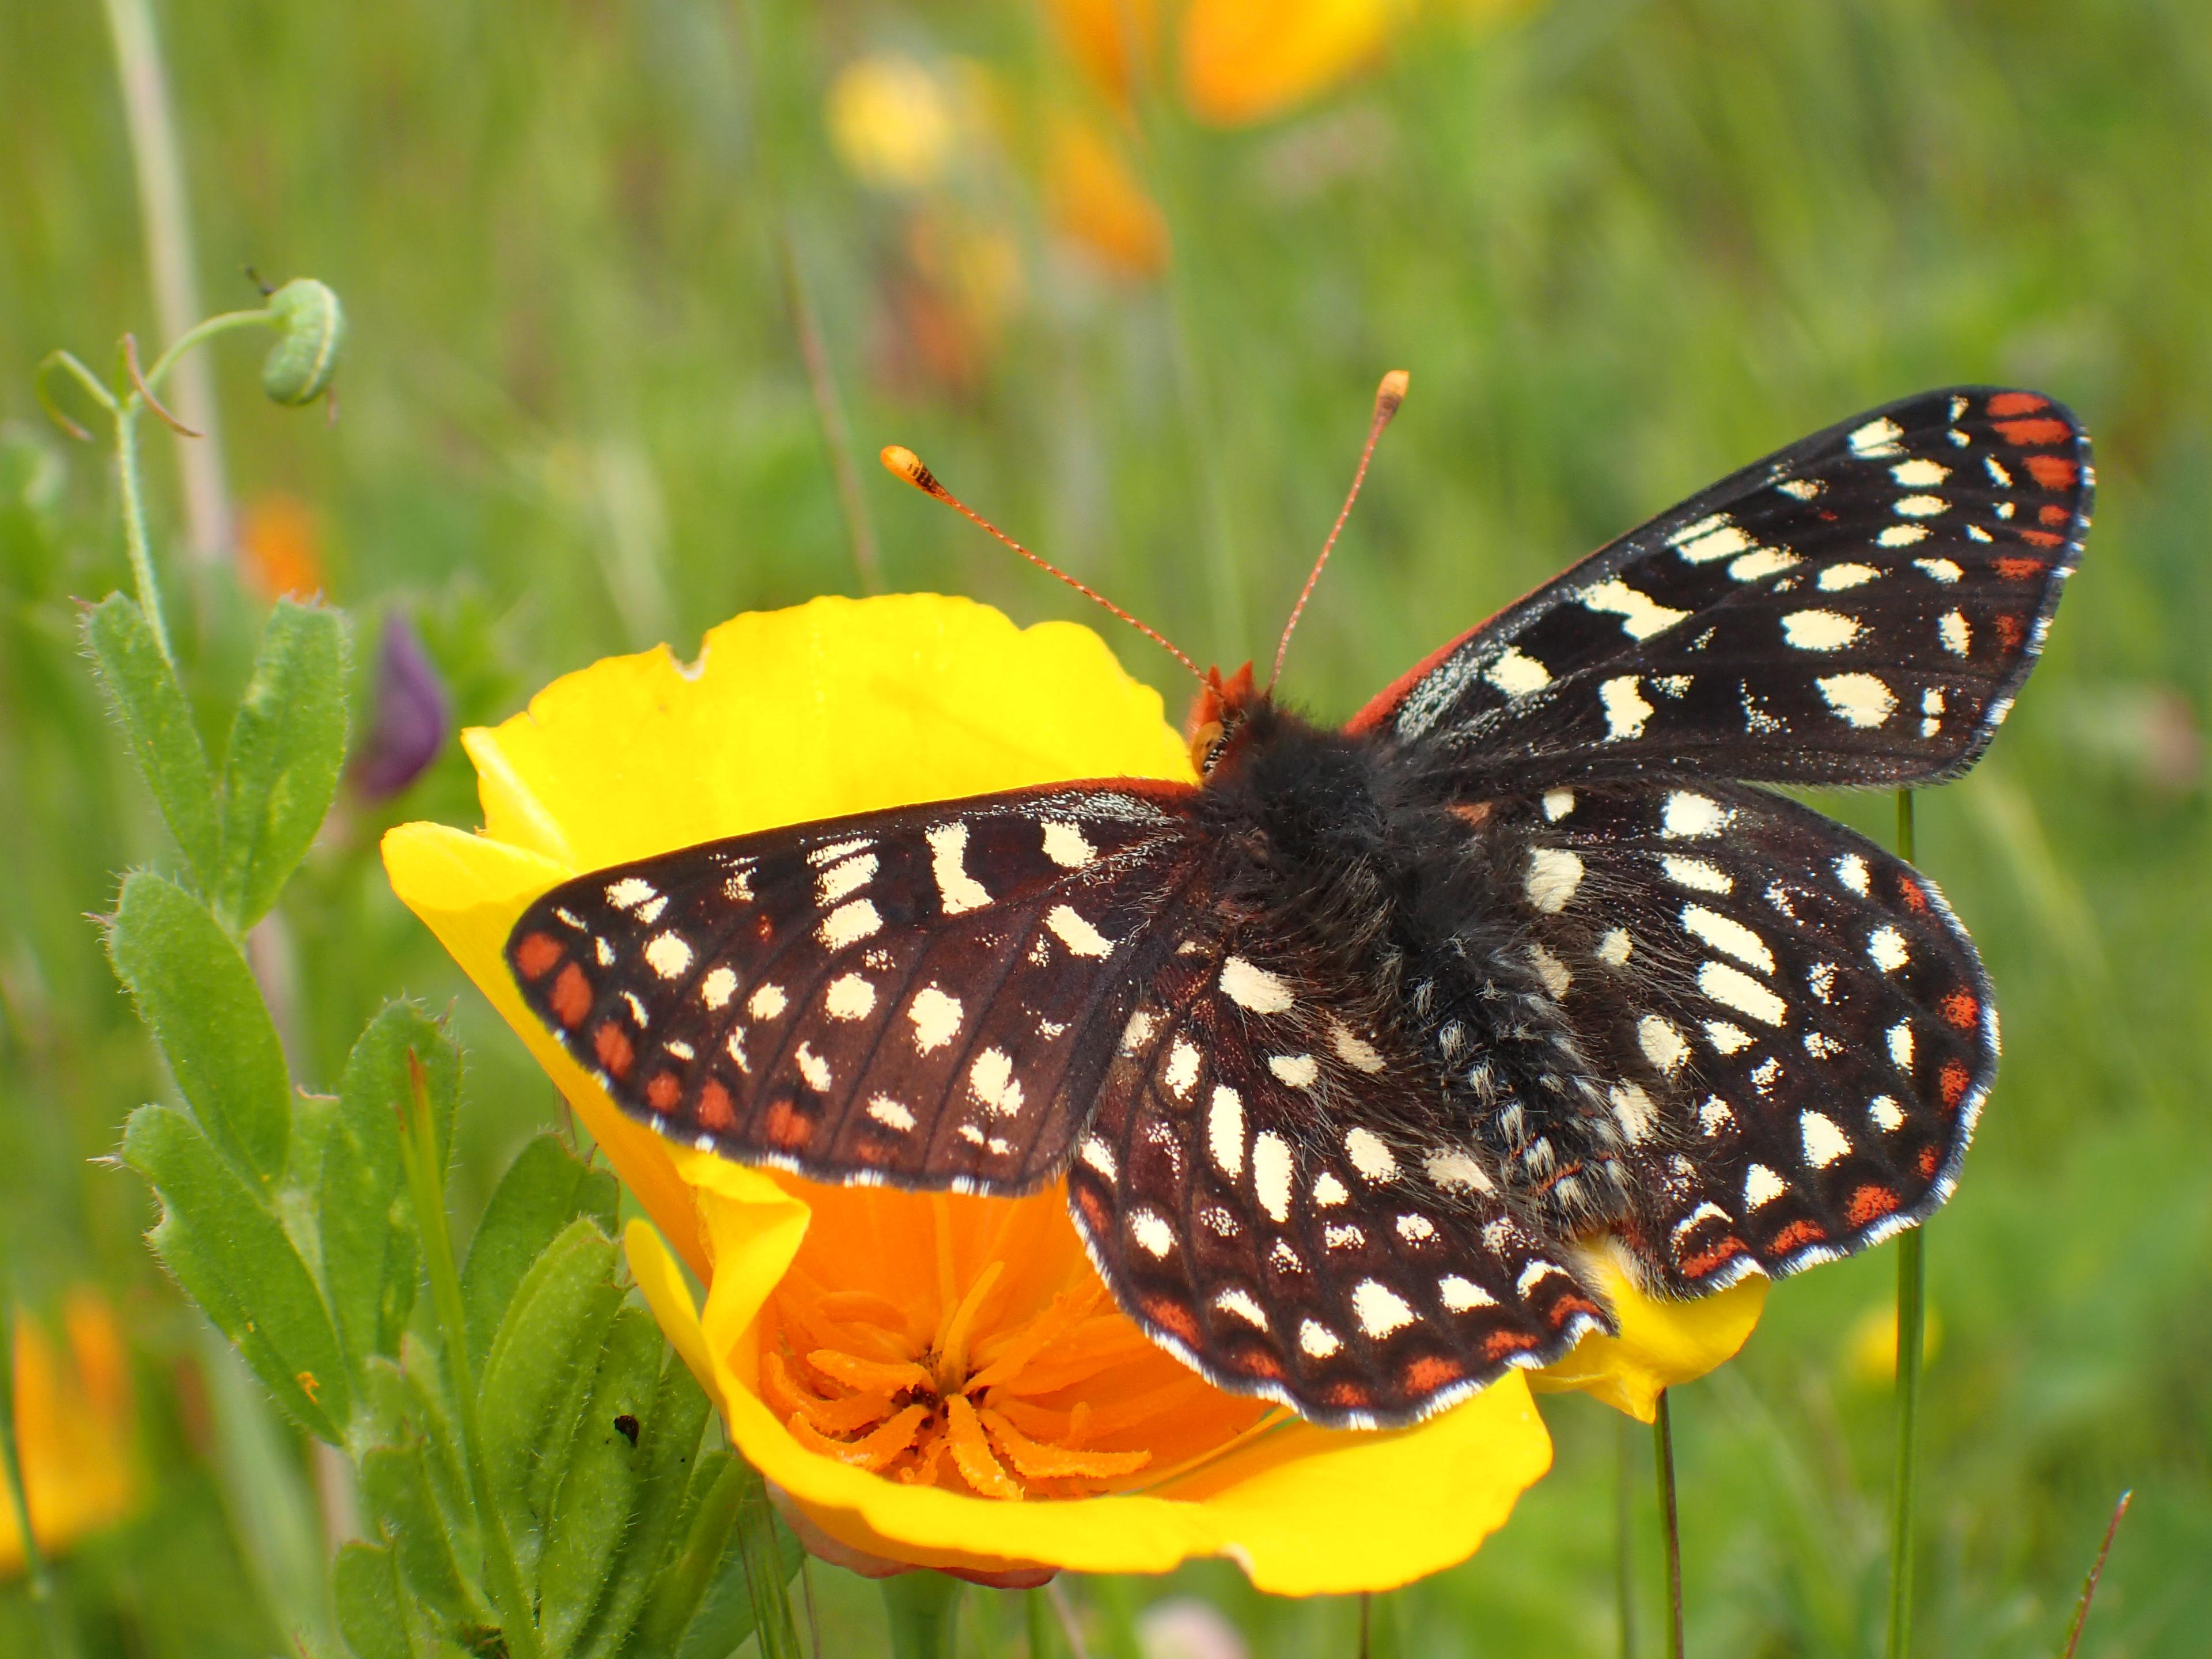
[
  {"x": 1253, "y": 1191},
  {"x": 1797, "y": 1033},
  {"x": 925, "y": 996},
  {"x": 1860, "y": 607}
]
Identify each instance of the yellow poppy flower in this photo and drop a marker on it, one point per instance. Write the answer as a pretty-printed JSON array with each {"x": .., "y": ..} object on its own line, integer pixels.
[
  {"x": 903, "y": 1365},
  {"x": 73, "y": 1427}
]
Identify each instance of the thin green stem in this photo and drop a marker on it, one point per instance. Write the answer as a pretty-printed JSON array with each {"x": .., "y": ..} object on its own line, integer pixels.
[
  {"x": 134, "y": 522},
  {"x": 165, "y": 214},
  {"x": 1670, "y": 1525},
  {"x": 223, "y": 323},
  {"x": 1624, "y": 1533},
  {"x": 518, "y": 1624},
  {"x": 1037, "y": 1608},
  {"x": 1911, "y": 1328},
  {"x": 923, "y": 1607},
  {"x": 2096, "y": 1574}
]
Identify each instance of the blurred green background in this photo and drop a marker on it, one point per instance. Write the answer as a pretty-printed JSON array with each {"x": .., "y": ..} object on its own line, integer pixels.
[{"x": 1623, "y": 246}]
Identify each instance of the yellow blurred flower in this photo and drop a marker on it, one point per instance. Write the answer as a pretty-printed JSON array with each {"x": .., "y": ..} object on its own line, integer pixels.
[
  {"x": 903, "y": 1366},
  {"x": 893, "y": 121},
  {"x": 281, "y": 545},
  {"x": 1871, "y": 1348},
  {"x": 74, "y": 1428}
]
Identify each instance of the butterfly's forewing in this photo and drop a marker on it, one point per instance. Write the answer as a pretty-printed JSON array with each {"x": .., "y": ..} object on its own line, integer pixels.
[
  {"x": 1860, "y": 607},
  {"x": 1799, "y": 1034},
  {"x": 926, "y": 996},
  {"x": 1271, "y": 1193}
]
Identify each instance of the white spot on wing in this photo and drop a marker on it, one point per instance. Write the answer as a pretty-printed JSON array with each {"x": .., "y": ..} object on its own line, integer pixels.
[
  {"x": 1380, "y": 1309},
  {"x": 813, "y": 1069},
  {"x": 1641, "y": 616},
  {"x": 1852, "y": 871},
  {"x": 1416, "y": 1229},
  {"x": 1254, "y": 988},
  {"x": 1861, "y": 699},
  {"x": 1919, "y": 506},
  {"x": 1765, "y": 562},
  {"x": 936, "y": 1018},
  {"x": 1299, "y": 1071},
  {"x": 1886, "y": 948},
  {"x": 1151, "y": 1230},
  {"x": 1613, "y": 950},
  {"x": 1448, "y": 1168},
  {"x": 1633, "y": 1110},
  {"x": 1900, "y": 1045},
  {"x": 956, "y": 890},
  {"x": 1353, "y": 1049},
  {"x": 1551, "y": 971},
  {"x": 1516, "y": 674},
  {"x": 1316, "y": 1341},
  {"x": 1727, "y": 933},
  {"x": 1329, "y": 1192},
  {"x": 1824, "y": 1142},
  {"x": 1727, "y": 1039},
  {"x": 850, "y": 997},
  {"x": 1904, "y": 535},
  {"x": 1240, "y": 1303},
  {"x": 1819, "y": 630},
  {"x": 1696, "y": 874},
  {"x": 629, "y": 892},
  {"x": 1272, "y": 1166},
  {"x": 717, "y": 988},
  {"x": 1711, "y": 538},
  {"x": 1688, "y": 814},
  {"x": 1553, "y": 874},
  {"x": 1661, "y": 1043},
  {"x": 1919, "y": 474},
  {"x": 1625, "y": 710},
  {"x": 766, "y": 1001},
  {"x": 1734, "y": 988},
  {"x": 1953, "y": 630},
  {"x": 1077, "y": 934},
  {"x": 1943, "y": 570},
  {"x": 991, "y": 1080},
  {"x": 1761, "y": 1187},
  {"x": 1100, "y": 1157},
  {"x": 1557, "y": 803},
  {"x": 1884, "y": 1111},
  {"x": 1369, "y": 1156},
  {"x": 1065, "y": 846},
  {"x": 1224, "y": 1131},
  {"x": 1839, "y": 577},
  {"x": 1181, "y": 1069},
  {"x": 844, "y": 878},
  {"x": 1877, "y": 440},
  {"x": 848, "y": 924},
  {"x": 892, "y": 1115},
  {"x": 1463, "y": 1295}
]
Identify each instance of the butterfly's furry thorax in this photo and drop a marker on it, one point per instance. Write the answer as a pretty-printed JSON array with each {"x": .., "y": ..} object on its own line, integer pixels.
[{"x": 1409, "y": 904}]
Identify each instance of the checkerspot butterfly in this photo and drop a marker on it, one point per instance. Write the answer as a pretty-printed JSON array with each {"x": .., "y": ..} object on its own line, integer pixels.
[{"x": 1347, "y": 1053}]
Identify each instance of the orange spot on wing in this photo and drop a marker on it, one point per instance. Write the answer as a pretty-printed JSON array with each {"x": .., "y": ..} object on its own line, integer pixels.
[
  {"x": 2054, "y": 471},
  {"x": 2016, "y": 402},
  {"x": 1499, "y": 1344},
  {"x": 787, "y": 1126},
  {"x": 2054, "y": 513},
  {"x": 1258, "y": 1362},
  {"x": 1351, "y": 1396},
  {"x": 1952, "y": 1081},
  {"x": 1697, "y": 1266},
  {"x": 572, "y": 996},
  {"x": 1095, "y": 1216},
  {"x": 1926, "y": 1162},
  {"x": 2041, "y": 537},
  {"x": 715, "y": 1110},
  {"x": 1869, "y": 1203},
  {"x": 535, "y": 955},
  {"x": 2010, "y": 631},
  {"x": 663, "y": 1091},
  {"x": 1913, "y": 894},
  {"x": 2021, "y": 434},
  {"x": 2015, "y": 570},
  {"x": 612, "y": 1045},
  {"x": 1473, "y": 817},
  {"x": 1962, "y": 1009},
  {"x": 1173, "y": 1315},
  {"x": 1799, "y": 1233},
  {"x": 1431, "y": 1372},
  {"x": 1567, "y": 1307}
]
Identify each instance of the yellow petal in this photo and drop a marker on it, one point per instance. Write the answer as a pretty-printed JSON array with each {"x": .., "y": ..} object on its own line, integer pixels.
[
  {"x": 1246, "y": 60},
  {"x": 1661, "y": 1344}
]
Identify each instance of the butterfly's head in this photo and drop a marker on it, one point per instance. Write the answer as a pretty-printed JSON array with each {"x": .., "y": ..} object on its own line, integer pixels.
[{"x": 1218, "y": 713}]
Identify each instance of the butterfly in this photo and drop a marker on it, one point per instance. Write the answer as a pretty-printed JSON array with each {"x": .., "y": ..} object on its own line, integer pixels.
[{"x": 1350, "y": 1052}]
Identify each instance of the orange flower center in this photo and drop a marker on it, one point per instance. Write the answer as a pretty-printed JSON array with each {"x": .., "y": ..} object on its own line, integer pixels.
[{"x": 1007, "y": 1371}]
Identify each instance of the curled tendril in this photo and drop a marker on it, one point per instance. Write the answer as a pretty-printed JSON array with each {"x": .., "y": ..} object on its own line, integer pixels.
[{"x": 310, "y": 326}]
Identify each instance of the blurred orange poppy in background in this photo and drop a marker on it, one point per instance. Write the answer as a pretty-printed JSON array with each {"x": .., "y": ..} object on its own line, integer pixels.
[
  {"x": 904, "y": 1366},
  {"x": 74, "y": 1428}
]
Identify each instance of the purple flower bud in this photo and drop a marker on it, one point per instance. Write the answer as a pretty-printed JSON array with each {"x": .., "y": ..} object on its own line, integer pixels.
[{"x": 412, "y": 714}]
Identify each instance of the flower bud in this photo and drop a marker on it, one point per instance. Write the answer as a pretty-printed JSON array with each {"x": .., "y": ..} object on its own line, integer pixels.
[
  {"x": 414, "y": 715},
  {"x": 312, "y": 325}
]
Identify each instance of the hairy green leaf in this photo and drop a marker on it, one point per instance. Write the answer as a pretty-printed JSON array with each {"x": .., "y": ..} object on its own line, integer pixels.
[
  {"x": 193, "y": 988},
  {"x": 286, "y": 747},
  {"x": 142, "y": 685},
  {"x": 395, "y": 1487},
  {"x": 668, "y": 1450},
  {"x": 372, "y": 1615},
  {"x": 237, "y": 1262},
  {"x": 593, "y": 1509},
  {"x": 545, "y": 1188}
]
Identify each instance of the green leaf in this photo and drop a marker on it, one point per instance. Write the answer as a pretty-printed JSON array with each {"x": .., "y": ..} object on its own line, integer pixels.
[
  {"x": 668, "y": 1449},
  {"x": 236, "y": 1260},
  {"x": 395, "y": 1484},
  {"x": 593, "y": 1510},
  {"x": 545, "y": 1188},
  {"x": 286, "y": 747},
  {"x": 370, "y": 1258},
  {"x": 710, "y": 1533},
  {"x": 143, "y": 686},
  {"x": 372, "y": 1616},
  {"x": 746, "y": 1595},
  {"x": 193, "y": 988},
  {"x": 539, "y": 1373}
]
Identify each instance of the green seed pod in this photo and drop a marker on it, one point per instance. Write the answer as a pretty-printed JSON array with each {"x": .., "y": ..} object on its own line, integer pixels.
[{"x": 312, "y": 327}]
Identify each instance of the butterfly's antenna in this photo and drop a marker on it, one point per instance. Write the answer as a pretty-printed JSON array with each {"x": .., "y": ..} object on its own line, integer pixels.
[
  {"x": 898, "y": 458},
  {"x": 1388, "y": 397}
]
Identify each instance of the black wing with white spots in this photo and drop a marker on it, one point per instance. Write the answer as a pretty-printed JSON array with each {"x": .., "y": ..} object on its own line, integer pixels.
[
  {"x": 1794, "y": 1033},
  {"x": 1861, "y": 607},
  {"x": 1272, "y": 1194},
  {"x": 925, "y": 995}
]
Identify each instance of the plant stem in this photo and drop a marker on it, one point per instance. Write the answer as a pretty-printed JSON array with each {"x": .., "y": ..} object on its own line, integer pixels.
[
  {"x": 923, "y": 1607},
  {"x": 518, "y": 1624},
  {"x": 223, "y": 323},
  {"x": 1670, "y": 1526},
  {"x": 166, "y": 217},
  {"x": 2096, "y": 1573},
  {"x": 134, "y": 522},
  {"x": 1624, "y": 1582},
  {"x": 1036, "y": 1605},
  {"x": 1911, "y": 1325}
]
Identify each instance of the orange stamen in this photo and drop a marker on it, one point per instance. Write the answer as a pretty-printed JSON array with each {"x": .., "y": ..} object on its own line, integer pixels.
[
  {"x": 1035, "y": 1462},
  {"x": 871, "y": 1453},
  {"x": 871, "y": 1375},
  {"x": 971, "y": 1452}
]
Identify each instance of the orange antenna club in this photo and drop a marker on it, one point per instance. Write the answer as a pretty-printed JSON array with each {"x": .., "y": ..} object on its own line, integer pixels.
[
  {"x": 902, "y": 462},
  {"x": 1388, "y": 397}
]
